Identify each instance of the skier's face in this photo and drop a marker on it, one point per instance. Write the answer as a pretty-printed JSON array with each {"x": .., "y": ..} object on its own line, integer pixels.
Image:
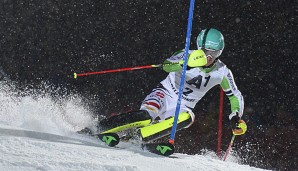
[
  {"x": 210, "y": 60},
  {"x": 213, "y": 53}
]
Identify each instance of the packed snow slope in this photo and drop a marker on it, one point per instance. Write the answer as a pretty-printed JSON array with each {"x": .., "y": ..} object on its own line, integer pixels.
[{"x": 37, "y": 132}]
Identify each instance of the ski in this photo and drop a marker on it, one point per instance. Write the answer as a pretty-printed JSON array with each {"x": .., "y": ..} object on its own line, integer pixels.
[
  {"x": 110, "y": 139},
  {"x": 164, "y": 149},
  {"x": 113, "y": 139}
]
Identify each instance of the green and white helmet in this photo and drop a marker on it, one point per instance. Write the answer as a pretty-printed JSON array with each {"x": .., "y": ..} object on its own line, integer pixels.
[{"x": 211, "y": 39}]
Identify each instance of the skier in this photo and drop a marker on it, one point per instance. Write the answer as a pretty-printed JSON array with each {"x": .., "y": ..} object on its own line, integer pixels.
[{"x": 204, "y": 71}]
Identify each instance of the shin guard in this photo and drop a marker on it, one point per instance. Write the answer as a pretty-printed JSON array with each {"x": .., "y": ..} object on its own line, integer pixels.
[{"x": 163, "y": 128}]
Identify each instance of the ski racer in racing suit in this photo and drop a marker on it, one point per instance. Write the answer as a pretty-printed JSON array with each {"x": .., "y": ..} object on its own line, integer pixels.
[{"x": 204, "y": 71}]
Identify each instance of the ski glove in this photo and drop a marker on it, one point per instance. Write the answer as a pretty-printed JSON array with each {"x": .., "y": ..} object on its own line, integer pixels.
[{"x": 239, "y": 127}]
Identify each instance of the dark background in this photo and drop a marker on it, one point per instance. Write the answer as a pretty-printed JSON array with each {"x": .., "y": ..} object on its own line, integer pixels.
[{"x": 46, "y": 41}]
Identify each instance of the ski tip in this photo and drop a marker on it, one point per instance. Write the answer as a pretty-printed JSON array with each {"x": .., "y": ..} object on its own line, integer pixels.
[{"x": 75, "y": 75}]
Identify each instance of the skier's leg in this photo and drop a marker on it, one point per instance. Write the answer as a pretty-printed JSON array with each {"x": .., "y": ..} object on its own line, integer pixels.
[
  {"x": 152, "y": 106},
  {"x": 156, "y": 102},
  {"x": 124, "y": 121},
  {"x": 164, "y": 127},
  {"x": 161, "y": 107}
]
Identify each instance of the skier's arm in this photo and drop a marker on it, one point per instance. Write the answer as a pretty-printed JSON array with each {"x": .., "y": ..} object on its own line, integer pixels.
[
  {"x": 237, "y": 103},
  {"x": 175, "y": 62},
  {"x": 234, "y": 95}
]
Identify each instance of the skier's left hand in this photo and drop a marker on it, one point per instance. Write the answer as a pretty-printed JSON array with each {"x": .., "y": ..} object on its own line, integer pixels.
[{"x": 239, "y": 127}]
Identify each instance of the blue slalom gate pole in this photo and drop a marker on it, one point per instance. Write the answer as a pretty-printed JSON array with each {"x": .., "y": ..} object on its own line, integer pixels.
[{"x": 187, "y": 43}]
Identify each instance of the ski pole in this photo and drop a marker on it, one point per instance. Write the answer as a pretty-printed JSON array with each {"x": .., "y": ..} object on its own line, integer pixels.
[
  {"x": 187, "y": 44},
  {"x": 229, "y": 148},
  {"x": 75, "y": 75}
]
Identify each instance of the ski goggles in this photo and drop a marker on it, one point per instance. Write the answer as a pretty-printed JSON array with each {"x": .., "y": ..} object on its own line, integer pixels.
[{"x": 212, "y": 53}]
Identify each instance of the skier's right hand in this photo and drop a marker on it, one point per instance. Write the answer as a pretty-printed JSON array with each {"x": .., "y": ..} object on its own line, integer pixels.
[
  {"x": 197, "y": 59},
  {"x": 169, "y": 66}
]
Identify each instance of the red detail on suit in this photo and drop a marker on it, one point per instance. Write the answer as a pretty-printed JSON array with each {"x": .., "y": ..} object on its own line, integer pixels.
[{"x": 153, "y": 104}]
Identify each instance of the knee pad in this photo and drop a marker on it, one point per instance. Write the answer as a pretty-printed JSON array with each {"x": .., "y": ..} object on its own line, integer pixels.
[{"x": 164, "y": 127}]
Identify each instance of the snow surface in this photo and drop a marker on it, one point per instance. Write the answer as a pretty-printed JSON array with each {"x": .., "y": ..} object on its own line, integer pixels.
[{"x": 38, "y": 133}]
